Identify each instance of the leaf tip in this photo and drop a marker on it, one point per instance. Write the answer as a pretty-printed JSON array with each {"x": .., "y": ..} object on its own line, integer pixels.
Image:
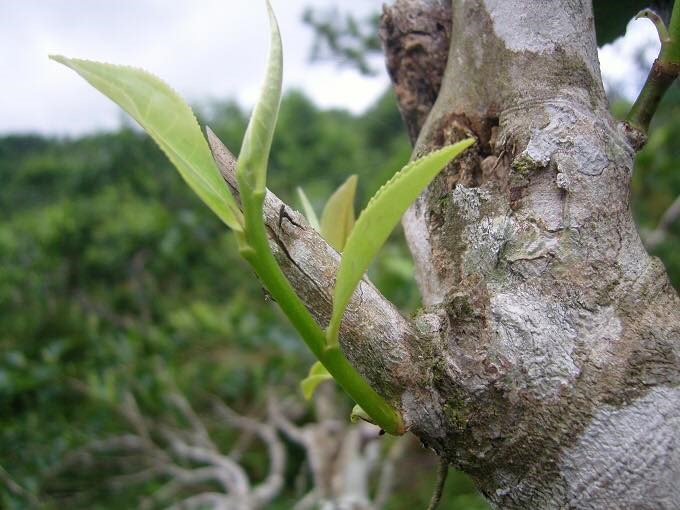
[
  {"x": 468, "y": 142},
  {"x": 359, "y": 414},
  {"x": 213, "y": 141},
  {"x": 270, "y": 12},
  {"x": 58, "y": 58},
  {"x": 273, "y": 22},
  {"x": 317, "y": 375}
]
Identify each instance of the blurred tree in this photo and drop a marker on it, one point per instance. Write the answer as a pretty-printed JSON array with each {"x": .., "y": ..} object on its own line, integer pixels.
[{"x": 343, "y": 38}]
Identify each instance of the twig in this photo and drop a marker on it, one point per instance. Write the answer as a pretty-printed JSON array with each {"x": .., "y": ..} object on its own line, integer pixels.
[
  {"x": 130, "y": 410},
  {"x": 655, "y": 237},
  {"x": 120, "y": 482},
  {"x": 212, "y": 500},
  {"x": 184, "y": 407},
  {"x": 241, "y": 445},
  {"x": 273, "y": 483},
  {"x": 183, "y": 456},
  {"x": 309, "y": 501},
  {"x": 235, "y": 478},
  {"x": 442, "y": 473},
  {"x": 665, "y": 70},
  {"x": 183, "y": 478},
  {"x": 307, "y": 261},
  {"x": 17, "y": 489},
  {"x": 289, "y": 429}
]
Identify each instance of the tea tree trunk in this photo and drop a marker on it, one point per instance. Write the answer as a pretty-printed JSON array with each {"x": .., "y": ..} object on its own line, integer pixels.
[
  {"x": 545, "y": 362},
  {"x": 555, "y": 337}
]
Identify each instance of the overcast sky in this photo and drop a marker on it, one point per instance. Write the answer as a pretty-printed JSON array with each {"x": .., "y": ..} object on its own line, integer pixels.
[{"x": 207, "y": 49}]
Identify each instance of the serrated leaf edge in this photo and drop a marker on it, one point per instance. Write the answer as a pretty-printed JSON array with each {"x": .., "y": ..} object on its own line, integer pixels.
[{"x": 187, "y": 109}]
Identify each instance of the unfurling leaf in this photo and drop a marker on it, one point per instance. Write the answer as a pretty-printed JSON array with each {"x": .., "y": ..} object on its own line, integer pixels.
[
  {"x": 317, "y": 375},
  {"x": 170, "y": 122},
  {"x": 337, "y": 218},
  {"x": 251, "y": 168},
  {"x": 308, "y": 210},
  {"x": 359, "y": 414},
  {"x": 377, "y": 221}
]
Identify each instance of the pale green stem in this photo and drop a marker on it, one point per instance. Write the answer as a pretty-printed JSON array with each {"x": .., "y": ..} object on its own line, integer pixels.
[{"x": 255, "y": 249}]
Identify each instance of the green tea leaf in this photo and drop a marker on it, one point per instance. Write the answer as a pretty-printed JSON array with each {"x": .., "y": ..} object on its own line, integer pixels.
[
  {"x": 317, "y": 375},
  {"x": 251, "y": 167},
  {"x": 308, "y": 210},
  {"x": 377, "y": 221},
  {"x": 170, "y": 122},
  {"x": 337, "y": 218}
]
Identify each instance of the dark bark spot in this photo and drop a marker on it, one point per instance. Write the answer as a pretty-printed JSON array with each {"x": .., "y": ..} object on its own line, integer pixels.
[{"x": 416, "y": 45}]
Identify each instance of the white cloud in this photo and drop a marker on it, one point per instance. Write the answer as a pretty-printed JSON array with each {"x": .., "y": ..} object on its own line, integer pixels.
[
  {"x": 204, "y": 49},
  {"x": 626, "y": 62}
]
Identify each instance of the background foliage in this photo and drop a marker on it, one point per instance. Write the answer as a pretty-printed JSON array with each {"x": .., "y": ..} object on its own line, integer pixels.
[{"x": 114, "y": 275}]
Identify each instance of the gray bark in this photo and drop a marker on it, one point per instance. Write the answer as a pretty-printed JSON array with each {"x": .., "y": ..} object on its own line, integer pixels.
[
  {"x": 556, "y": 372},
  {"x": 545, "y": 363}
]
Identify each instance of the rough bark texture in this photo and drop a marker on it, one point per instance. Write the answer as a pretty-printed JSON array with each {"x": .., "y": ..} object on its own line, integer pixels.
[
  {"x": 557, "y": 337},
  {"x": 546, "y": 362}
]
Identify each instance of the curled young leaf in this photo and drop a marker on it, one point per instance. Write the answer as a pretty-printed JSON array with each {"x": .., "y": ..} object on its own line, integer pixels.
[
  {"x": 376, "y": 222},
  {"x": 317, "y": 375},
  {"x": 337, "y": 218},
  {"x": 251, "y": 168},
  {"x": 170, "y": 122},
  {"x": 359, "y": 414}
]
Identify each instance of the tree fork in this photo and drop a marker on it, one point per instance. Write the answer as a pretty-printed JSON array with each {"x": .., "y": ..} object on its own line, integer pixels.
[{"x": 556, "y": 336}]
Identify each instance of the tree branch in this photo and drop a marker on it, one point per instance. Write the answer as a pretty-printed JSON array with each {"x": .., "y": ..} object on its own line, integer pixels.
[
  {"x": 289, "y": 429},
  {"x": 212, "y": 500},
  {"x": 272, "y": 484},
  {"x": 14, "y": 487},
  {"x": 309, "y": 501},
  {"x": 235, "y": 479},
  {"x": 655, "y": 237},
  {"x": 374, "y": 336},
  {"x": 186, "y": 478},
  {"x": 200, "y": 432}
]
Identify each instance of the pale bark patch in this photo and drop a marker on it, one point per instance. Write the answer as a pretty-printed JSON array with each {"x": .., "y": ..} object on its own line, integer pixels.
[
  {"x": 631, "y": 452},
  {"x": 535, "y": 30},
  {"x": 418, "y": 236},
  {"x": 536, "y": 341}
]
